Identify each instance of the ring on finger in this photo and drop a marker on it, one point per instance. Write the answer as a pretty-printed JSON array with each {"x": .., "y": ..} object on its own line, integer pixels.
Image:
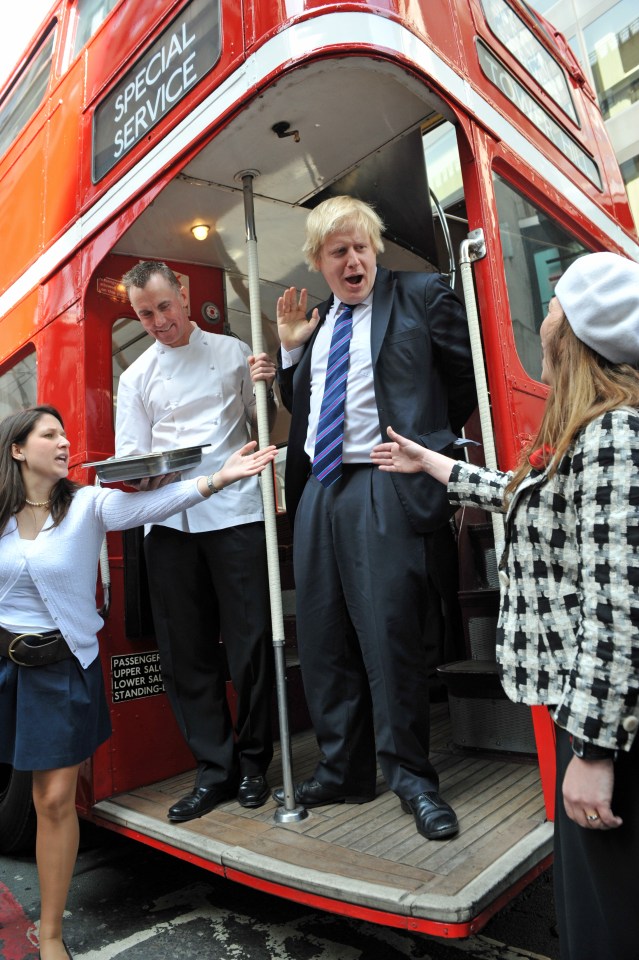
[{"x": 592, "y": 817}]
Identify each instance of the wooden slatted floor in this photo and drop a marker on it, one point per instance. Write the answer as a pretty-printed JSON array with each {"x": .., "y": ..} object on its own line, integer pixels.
[{"x": 370, "y": 855}]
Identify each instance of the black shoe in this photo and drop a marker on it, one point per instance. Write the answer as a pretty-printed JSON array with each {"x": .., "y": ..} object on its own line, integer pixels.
[
  {"x": 200, "y": 801},
  {"x": 312, "y": 793},
  {"x": 253, "y": 791},
  {"x": 434, "y": 818}
]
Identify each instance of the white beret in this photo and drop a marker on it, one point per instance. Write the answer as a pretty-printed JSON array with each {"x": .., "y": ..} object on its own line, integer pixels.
[{"x": 599, "y": 293}]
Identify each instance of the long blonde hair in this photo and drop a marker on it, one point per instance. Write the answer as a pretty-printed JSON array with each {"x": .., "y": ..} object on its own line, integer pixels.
[{"x": 585, "y": 385}]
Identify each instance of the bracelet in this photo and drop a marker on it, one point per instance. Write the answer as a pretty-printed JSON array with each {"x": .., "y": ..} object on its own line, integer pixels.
[
  {"x": 209, "y": 482},
  {"x": 270, "y": 394},
  {"x": 591, "y": 751}
]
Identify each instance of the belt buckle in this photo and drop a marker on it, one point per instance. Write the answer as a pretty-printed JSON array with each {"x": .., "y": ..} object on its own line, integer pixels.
[{"x": 10, "y": 650}]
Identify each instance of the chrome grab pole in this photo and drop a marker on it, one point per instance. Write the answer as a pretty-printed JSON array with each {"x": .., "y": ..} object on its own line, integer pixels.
[
  {"x": 472, "y": 249},
  {"x": 289, "y": 812}
]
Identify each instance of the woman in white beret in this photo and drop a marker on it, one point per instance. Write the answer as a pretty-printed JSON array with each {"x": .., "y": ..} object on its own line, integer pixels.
[{"x": 568, "y": 632}]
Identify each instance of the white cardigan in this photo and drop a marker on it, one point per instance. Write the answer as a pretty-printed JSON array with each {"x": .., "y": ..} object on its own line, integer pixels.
[{"x": 63, "y": 560}]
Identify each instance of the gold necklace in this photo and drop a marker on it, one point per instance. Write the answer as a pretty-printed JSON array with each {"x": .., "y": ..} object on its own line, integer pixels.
[{"x": 38, "y": 503}]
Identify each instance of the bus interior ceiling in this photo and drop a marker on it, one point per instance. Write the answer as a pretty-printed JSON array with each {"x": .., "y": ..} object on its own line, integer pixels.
[{"x": 371, "y": 148}]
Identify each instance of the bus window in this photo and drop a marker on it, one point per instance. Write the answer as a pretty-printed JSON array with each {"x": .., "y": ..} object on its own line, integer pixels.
[
  {"x": 447, "y": 195},
  {"x": 27, "y": 93},
  {"x": 18, "y": 386},
  {"x": 90, "y": 14},
  {"x": 129, "y": 342},
  {"x": 517, "y": 37},
  {"x": 536, "y": 251}
]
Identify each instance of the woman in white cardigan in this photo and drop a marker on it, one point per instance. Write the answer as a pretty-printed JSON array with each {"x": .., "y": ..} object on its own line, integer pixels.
[
  {"x": 568, "y": 632},
  {"x": 53, "y": 712}
]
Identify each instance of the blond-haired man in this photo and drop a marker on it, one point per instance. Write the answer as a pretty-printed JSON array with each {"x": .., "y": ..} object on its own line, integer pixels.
[{"x": 361, "y": 536}]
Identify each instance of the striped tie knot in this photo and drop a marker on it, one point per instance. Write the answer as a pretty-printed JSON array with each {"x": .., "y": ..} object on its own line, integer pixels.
[{"x": 329, "y": 442}]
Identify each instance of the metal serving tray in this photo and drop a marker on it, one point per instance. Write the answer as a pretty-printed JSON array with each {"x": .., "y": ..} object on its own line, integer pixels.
[{"x": 117, "y": 469}]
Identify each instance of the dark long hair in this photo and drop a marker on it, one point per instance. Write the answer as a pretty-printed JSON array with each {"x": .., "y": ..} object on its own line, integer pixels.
[{"x": 15, "y": 429}]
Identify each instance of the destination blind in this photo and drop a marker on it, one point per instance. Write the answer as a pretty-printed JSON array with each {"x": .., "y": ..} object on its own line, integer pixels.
[{"x": 181, "y": 56}]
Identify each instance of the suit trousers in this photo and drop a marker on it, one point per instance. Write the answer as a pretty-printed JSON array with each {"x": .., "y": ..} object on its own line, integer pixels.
[
  {"x": 204, "y": 584},
  {"x": 595, "y": 871},
  {"x": 360, "y": 577}
]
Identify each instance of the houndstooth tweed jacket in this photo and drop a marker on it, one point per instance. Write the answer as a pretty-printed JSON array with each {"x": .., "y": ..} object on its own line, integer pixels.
[{"x": 568, "y": 631}]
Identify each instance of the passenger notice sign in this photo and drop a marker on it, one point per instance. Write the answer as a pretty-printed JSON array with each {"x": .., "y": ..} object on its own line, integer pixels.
[{"x": 135, "y": 675}]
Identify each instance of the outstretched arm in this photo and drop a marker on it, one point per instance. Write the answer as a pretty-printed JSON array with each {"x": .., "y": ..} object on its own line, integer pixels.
[
  {"x": 406, "y": 456},
  {"x": 243, "y": 463}
]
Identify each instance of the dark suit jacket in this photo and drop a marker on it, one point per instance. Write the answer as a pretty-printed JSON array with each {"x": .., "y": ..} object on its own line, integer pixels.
[{"x": 424, "y": 384}]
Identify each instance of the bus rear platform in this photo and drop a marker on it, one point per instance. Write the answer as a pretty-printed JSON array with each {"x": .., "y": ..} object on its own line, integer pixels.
[{"x": 368, "y": 861}]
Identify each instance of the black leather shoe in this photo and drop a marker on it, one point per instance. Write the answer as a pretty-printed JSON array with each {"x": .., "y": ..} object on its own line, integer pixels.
[
  {"x": 253, "y": 791},
  {"x": 312, "y": 793},
  {"x": 200, "y": 801},
  {"x": 434, "y": 818}
]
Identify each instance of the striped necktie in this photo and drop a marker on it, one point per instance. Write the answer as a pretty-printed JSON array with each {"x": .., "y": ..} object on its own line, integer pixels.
[{"x": 327, "y": 458}]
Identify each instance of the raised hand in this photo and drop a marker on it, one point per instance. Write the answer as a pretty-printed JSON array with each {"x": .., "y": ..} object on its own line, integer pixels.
[{"x": 292, "y": 326}]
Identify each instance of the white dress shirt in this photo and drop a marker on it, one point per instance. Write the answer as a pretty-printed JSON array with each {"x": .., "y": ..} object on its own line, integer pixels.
[
  {"x": 188, "y": 396},
  {"x": 361, "y": 417}
]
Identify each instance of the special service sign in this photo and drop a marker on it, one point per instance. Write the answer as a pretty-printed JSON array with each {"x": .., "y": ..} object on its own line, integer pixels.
[{"x": 184, "y": 53}]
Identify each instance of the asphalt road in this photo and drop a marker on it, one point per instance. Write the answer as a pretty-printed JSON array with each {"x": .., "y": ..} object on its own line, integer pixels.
[{"x": 131, "y": 902}]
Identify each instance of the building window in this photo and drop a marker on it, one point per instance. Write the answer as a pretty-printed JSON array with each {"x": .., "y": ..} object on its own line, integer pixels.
[
  {"x": 18, "y": 386},
  {"x": 536, "y": 251},
  {"x": 27, "y": 93},
  {"x": 612, "y": 44},
  {"x": 543, "y": 6},
  {"x": 630, "y": 174}
]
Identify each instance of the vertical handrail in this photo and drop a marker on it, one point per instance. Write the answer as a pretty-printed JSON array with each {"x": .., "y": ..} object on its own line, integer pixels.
[
  {"x": 290, "y": 812},
  {"x": 472, "y": 249}
]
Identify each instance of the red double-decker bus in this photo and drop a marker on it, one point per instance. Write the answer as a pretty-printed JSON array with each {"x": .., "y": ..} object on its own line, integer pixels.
[{"x": 471, "y": 127}]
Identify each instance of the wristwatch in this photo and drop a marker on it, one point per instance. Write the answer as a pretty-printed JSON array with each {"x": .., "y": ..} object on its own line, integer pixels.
[
  {"x": 270, "y": 394},
  {"x": 590, "y": 751}
]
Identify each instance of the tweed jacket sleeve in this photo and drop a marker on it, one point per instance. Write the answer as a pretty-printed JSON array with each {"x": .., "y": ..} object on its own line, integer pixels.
[{"x": 471, "y": 486}]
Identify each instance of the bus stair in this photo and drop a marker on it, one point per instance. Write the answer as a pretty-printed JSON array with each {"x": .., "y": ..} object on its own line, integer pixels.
[{"x": 482, "y": 717}]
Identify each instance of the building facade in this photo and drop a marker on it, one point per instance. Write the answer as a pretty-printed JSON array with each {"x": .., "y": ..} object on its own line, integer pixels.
[{"x": 604, "y": 35}]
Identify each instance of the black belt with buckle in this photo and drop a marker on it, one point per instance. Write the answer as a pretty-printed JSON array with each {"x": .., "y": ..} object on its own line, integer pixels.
[{"x": 44, "y": 648}]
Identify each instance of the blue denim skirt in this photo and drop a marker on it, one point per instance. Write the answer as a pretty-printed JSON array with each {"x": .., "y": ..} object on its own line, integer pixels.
[{"x": 52, "y": 716}]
